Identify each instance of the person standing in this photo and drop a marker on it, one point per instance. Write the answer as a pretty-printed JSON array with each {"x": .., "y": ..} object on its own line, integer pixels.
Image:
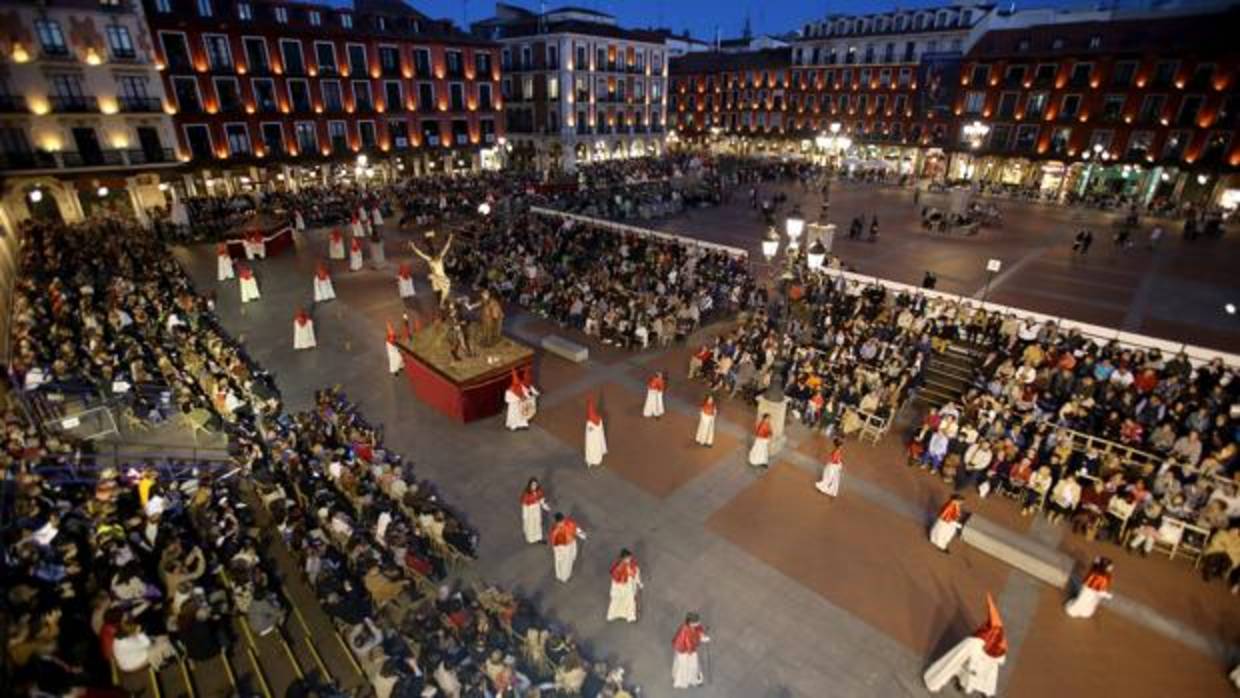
[
  {"x": 760, "y": 452},
  {"x": 299, "y": 221},
  {"x": 224, "y": 265},
  {"x": 654, "y": 396},
  {"x": 356, "y": 228},
  {"x": 533, "y": 504},
  {"x": 564, "y": 536},
  {"x": 626, "y": 579},
  {"x": 706, "y": 423},
  {"x": 248, "y": 284},
  {"x": 1095, "y": 588},
  {"x": 831, "y": 472},
  {"x": 686, "y": 667},
  {"x": 404, "y": 281},
  {"x": 596, "y": 437},
  {"x": 355, "y": 254},
  {"x": 303, "y": 330},
  {"x": 517, "y": 400},
  {"x": 974, "y": 662},
  {"x": 335, "y": 244},
  {"x": 323, "y": 289},
  {"x": 947, "y": 523},
  {"x": 396, "y": 362}
]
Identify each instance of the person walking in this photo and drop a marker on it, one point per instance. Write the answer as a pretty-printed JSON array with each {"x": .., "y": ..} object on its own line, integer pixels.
[
  {"x": 1095, "y": 587},
  {"x": 974, "y": 662},
  {"x": 626, "y": 580},
  {"x": 829, "y": 484},
  {"x": 760, "y": 452},
  {"x": 705, "y": 435},
  {"x": 533, "y": 504},
  {"x": 596, "y": 437},
  {"x": 947, "y": 523},
  {"x": 686, "y": 666},
  {"x": 654, "y": 396},
  {"x": 564, "y": 536}
]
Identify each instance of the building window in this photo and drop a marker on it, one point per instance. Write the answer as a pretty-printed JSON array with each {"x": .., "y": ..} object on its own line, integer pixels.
[
  {"x": 973, "y": 102},
  {"x": 1121, "y": 75},
  {"x": 1215, "y": 149},
  {"x": 273, "y": 138},
  {"x": 256, "y": 55},
  {"x": 1152, "y": 108},
  {"x": 205, "y": 9},
  {"x": 198, "y": 137},
  {"x": 455, "y": 63},
  {"x": 163, "y": 6},
  {"x": 422, "y": 62},
  {"x": 1057, "y": 43},
  {"x": 1177, "y": 141},
  {"x": 398, "y": 130},
  {"x": 120, "y": 42},
  {"x": 307, "y": 137},
  {"x": 51, "y": 39},
  {"x": 290, "y": 50},
  {"x": 245, "y": 11},
  {"x": 325, "y": 55},
  {"x": 186, "y": 92},
  {"x": 1080, "y": 74},
  {"x": 1139, "y": 144},
  {"x": 333, "y": 101},
  {"x": 484, "y": 92},
  {"x": 219, "y": 55},
  {"x": 299, "y": 96},
  {"x": 1100, "y": 137},
  {"x": 1060, "y": 138},
  {"x": 389, "y": 60},
  {"x": 1095, "y": 42},
  {"x": 1007, "y": 105},
  {"x": 238, "y": 139},
  {"x": 527, "y": 87},
  {"x": 346, "y": 20},
  {"x": 265, "y": 95},
  {"x": 980, "y": 75},
  {"x": 366, "y": 134},
  {"x": 1026, "y": 138},
  {"x": 1188, "y": 110},
  {"x": 337, "y": 136},
  {"x": 1035, "y": 105},
  {"x": 282, "y": 15},
  {"x": 228, "y": 94},
  {"x": 1112, "y": 107},
  {"x": 1044, "y": 76},
  {"x": 426, "y": 96},
  {"x": 357, "y": 59},
  {"x": 1070, "y": 106},
  {"x": 430, "y": 132},
  {"x": 316, "y": 18},
  {"x": 482, "y": 65},
  {"x": 361, "y": 96},
  {"x": 1164, "y": 73},
  {"x": 393, "y": 96}
]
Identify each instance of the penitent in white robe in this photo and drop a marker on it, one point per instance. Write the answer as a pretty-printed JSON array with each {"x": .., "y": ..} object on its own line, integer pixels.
[
  {"x": 687, "y": 670},
  {"x": 623, "y": 602},
  {"x": 224, "y": 267},
  {"x": 255, "y": 249},
  {"x": 355, "y": 259},
  {"x": 376, "y": 216},
  {"x": 323, "y": 289},
  {"x": 942, "y": 533},
  {"x": 396, "y": 362},
  {"x": 335, "y": 248},
  {"x": 830, "y": 482},
  {"x": 760, "y": 452},
  {"x": 1085, "y": 602},
  {"x": 654, "y": 403},
  {"x": 706, "y": 429},
  {"x": 596, "y": 443},
  {"x": 531, "y": 522},
  {"x": 303, "y": 335},
  {"x": 518, "y": 408},
  {"x": 249, "y": 290},
  {"x": 404, "y": 286},
  {"x": 968, "y": 663},
  {"x": 357, "y": 229},
  {"x": 298, "y": 221}
]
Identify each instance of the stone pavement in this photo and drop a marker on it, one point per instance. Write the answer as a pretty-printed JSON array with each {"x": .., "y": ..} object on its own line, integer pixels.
[
  {"x": 803, "y": 596},
  {"x": 1176, "y": 292}
]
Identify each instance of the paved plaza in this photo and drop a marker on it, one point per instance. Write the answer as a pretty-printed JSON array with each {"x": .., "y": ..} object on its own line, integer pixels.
[{"x": 803, "y": 596}]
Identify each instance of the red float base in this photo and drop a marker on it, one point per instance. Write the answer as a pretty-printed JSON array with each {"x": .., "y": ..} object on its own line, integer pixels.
[
  {"x": 275, "y": 241},
  {"x": 477, "y": 398}
]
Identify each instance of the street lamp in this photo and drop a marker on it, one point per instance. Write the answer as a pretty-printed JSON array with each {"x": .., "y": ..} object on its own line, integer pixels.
[
  {"x": 795, "y": 225},
  {"x": 975, "y": 133},
  {"x": 770, "y": 244},
  {"x": 816, "y": 255}
]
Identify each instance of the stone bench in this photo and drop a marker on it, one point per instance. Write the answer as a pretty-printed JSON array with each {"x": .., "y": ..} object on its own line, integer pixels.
[
  {"x": 565, "y": 349},
  {"x": 1037, "y": 560}
]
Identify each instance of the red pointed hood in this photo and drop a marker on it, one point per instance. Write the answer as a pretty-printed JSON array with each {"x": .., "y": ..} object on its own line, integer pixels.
[
  {"x": 515, "y": 385},
  {"x": 337, "y": 236},
  {"x": 243, "y": 270},
  {"x": 355, "y": 245},
  {"x": 322, "y": 271},
  {"x": 302, "y": 316},
  {"x": 991, "y": 632},
  {"x": 222, "y": 250},
  {"x": 528, "y": 376},
  {"x": 391, "y": 333},
  {"x": 592, "y": 415},
  {"x": 406, "y": 270}
]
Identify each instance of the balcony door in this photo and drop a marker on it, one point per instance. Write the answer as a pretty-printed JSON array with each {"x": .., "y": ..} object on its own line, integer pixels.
[
  {"x": 152, "y": 147},
  {"x": 87, "y": 142}
]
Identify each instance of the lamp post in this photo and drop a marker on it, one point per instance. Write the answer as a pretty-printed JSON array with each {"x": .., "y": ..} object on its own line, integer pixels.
[{"x": 975, "y": 133}]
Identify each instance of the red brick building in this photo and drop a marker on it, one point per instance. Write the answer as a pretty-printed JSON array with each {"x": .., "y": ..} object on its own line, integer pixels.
[{"x": 264, "y": 81}]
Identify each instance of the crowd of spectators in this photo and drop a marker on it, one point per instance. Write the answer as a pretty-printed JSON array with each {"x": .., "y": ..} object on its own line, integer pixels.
[
  {"x": 627, "y": 289},
  {"x": 1122, "y": 442},
  {"x": 836, "y": 349}
]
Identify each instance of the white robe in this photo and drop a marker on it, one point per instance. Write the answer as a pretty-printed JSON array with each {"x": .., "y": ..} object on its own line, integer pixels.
[
  {"x": 303, "y": 335},
  {"x": 654, "y": 403},
  {"x": 942, "y": 533},
  {"x": 687, "y": 670},
  {"x": 531, "y": 522},
  {"x": 517, "y": 408},
  {"x": 830, "y": 482},
  {"x": 357, "y": 229},
  {"x": 1085, "y": 602},
  {"x": 335, "y": 248},
  {"x": 706, "y": 429},
  {"x": 298, "y": 221},
  {"x": 760, "y": 452},
  {"x": 968, "y": 662},
  {"x": 596, "y": 443},
  {"x": 249, "y": 290},
  {"x": 1235, "y": 676},
  {"x": 565, "y": 556},
  {"x": 255, "y": 250},
  {"x": 224, "y": 267},
  {"x": 396, "y": 362},
  {"x": 355, "y": 259},
  {"x": 404, "y": 286},
  {"x": 376, "y": 216},
  {"x": 623, "y": 603},
  {"x": 377, "y": 256},
  {"x": 323, "y": 289}
]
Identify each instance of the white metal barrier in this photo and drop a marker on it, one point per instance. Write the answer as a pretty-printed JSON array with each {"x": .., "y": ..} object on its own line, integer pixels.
[{"x": 636, "y": 230}]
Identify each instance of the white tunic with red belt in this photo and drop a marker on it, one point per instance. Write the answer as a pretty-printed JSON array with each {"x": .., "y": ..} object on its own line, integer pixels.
[{"x": 626, "y": 579}]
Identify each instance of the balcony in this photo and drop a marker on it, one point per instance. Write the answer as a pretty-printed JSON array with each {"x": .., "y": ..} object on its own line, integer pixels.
[
  {"x": 142, "y": 157},
  {"x": 74, "y": 104},
  {"x": 103, "y": 158},
  {"x": 60, "y": 52},
  {"x": 140, "y": 104},
  {"x": 27, "y": 161},
  {"x": 13, "y": 104}
]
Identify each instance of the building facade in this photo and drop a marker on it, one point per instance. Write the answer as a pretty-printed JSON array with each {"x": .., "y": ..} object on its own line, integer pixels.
[
  {"x": 267, "y": 88},
  {"x": 82, "y": 110},
  {"x": 578, "y": 88},
  {"x": 1082, "y": 105}
]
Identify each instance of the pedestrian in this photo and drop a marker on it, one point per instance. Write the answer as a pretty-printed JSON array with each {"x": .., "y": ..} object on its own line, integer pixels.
[
  {"x": 1095, "y": 587},
  {"x": 947, "y": 523},
  {"x": 248, "y": 284},
  {"x": 686, "y": 667},
  {"x": 916, "y": 195},
  {"x": 224, "y": 265},
  {"x": 323, "y": 289},
  {"x": 396, "y": 362},
  {"x": 303, "y": 330},
  {"x": 596, "y": 437},
  {"x": 874, "y": 228},
  {"x": 974, "y": 662},
  {"x": 654, "y": 396},
  {"x": 930, "y": 280},
  {"x": 533, "y": 504},
  {"x": 626, "y": 580},
  {"x": 564, "y": 536},
  {"x": 706, "y": 423},
  {"x": 760, "y": 452},
  {"x": 829, "y": 484}
]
